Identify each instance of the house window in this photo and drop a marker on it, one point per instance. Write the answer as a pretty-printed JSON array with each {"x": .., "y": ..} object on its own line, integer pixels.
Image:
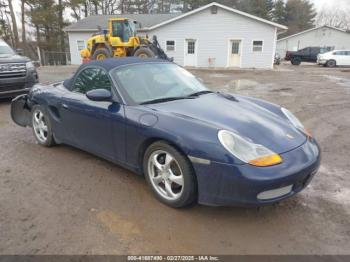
[
  {"x": 170, "y": 45},
  {"x": 235, "y": 47},
  {"x": 257, "y": 46},
  {"x": 191, "y": 47},
  {"x": 81, "y": 45}
]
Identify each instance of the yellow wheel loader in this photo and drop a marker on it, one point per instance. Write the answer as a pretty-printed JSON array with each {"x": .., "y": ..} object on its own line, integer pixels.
[{"x": 120, "y": 40}]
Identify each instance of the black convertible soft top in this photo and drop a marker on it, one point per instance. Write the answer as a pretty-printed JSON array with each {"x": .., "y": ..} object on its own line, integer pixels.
[{"x": 111, "y": 63}]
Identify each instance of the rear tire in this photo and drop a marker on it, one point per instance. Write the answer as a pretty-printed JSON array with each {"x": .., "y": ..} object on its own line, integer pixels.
[
  {"x": 101, "y": 53},
  {"x": 331, "y": 63},
  {"x": 170, "y": 175},
  {"x": 144, "y": 52},
  {"x": 296, "y": 61},
  {"x": 41, "y": 126}
]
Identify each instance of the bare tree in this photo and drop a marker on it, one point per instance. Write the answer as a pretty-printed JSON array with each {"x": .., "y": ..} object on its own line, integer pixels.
[
  {"x": 23, "y": 23},
  {"x": 5, "y": 25},
  {"x": 14, "y": 23},
  {"x": 60, "y": 8},
  {"x": 334, "y": 17}
]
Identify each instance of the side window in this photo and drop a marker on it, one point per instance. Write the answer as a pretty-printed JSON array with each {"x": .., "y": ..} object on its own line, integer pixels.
[
  {"x": 305, "y": 51},
  {"x": 91, "y": 78},
  {"x": 81, "y": 45},
  {"x": 339, "y": 53},
  {"x": 315, "y": 50},
  {"x": 257, "y": 46},
  {"x": 170, "y": 45}
]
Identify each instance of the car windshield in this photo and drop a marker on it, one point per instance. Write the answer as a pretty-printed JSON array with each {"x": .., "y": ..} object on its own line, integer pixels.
[
  {"x": 5, "y": 50},
  {"x": 157, "y": 82}
]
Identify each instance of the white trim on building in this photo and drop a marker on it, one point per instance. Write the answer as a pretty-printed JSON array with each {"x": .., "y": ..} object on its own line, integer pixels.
[{"x": 223, "y": 7}]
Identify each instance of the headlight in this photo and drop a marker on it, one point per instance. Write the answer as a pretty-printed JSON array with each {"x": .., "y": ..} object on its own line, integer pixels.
[
  {"x": 246, "y": 151},
  {"x": 295, "y": 121},
  {"x": 30, "y": 65}
]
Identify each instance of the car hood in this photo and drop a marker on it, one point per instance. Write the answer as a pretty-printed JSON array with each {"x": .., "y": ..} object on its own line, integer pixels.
[
  {"x": 13, "y": 58},
  {"x": 239, "y": 115}
]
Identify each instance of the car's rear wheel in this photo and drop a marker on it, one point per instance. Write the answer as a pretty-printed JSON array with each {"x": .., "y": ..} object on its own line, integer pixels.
[
  {"x": 41, "y": 125},
  {"x": 331, "y": 63},
  {"x": 170, "y": 175}
]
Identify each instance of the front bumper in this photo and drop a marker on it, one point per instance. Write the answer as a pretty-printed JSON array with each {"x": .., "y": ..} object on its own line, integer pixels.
[
  {"x": 222, "y": 184},
  {"x": 321, "y": 61},
  {"x": 11, "y": 87}
]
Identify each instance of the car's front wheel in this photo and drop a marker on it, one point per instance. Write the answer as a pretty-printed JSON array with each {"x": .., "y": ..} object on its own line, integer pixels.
[
  {"x": 42, "y": 127},
  {"x": 170, "y": 175},
  {"x": 331, "y": 63}
]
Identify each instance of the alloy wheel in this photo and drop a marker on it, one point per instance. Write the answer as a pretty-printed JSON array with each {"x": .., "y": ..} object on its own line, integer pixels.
[
  {"x": 166, "y": 175},
  {"x": 40, "y": 126}
]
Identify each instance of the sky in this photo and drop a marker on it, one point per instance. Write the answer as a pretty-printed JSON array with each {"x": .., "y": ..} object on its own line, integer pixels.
[{"x": 319, "y": 5}]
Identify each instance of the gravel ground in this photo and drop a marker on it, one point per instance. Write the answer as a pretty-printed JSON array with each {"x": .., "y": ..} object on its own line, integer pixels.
[{"x": 65, "y": 201}]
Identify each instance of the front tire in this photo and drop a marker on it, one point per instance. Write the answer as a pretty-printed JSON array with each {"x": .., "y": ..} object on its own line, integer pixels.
[
  {"x": 101, "y": 53},
  {"x": 41, "y": 126},
  {"x": 144, "y": 52},
  {"x": 170, "y": 175},
  {"x": 331, "y": 63}
]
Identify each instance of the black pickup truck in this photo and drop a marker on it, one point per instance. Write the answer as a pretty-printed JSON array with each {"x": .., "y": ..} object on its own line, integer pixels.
[
  {"x": 17, "y": 73},
  {"x": 307, "y": 54}
]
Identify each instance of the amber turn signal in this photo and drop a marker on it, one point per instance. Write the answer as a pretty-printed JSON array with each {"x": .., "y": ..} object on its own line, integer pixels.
[{"x": 270, "y": 160}]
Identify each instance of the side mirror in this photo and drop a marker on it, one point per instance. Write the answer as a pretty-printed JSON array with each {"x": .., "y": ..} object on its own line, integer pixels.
[
  {"x": 99, "y": 95},
  {"x": 19, "y": 51}
]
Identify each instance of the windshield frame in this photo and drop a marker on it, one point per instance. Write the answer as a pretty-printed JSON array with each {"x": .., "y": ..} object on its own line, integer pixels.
[{"x": 122, "y": 90}]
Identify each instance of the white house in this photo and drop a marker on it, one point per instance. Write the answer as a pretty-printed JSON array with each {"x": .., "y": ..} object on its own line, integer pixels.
[
  {"x": 211, "y": 36},
  {"x": 323, "y": 36}
]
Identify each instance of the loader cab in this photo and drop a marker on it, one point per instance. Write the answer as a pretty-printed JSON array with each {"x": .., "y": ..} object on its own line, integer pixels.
[{"x": 122, "y": 28}]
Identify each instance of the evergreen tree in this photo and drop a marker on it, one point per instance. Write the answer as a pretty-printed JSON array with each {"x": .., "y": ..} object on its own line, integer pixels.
[
  {"x": 260, "y": 8},
  {"x": 300, "y": 15},
  {"x": 278, "y": 13}
]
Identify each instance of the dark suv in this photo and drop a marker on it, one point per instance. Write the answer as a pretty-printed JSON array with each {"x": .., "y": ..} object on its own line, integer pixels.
[
  {"x": 17, "y": 73},
  {"x": 307, "y": 54}
]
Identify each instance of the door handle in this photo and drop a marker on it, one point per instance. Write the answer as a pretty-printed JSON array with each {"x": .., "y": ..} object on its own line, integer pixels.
[{"x": 65, "y": 106}]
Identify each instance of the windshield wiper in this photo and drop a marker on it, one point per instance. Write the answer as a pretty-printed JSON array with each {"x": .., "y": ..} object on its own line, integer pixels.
[
  {"x": 165, "y": 99},
  {"x": 200, "y": 93}
]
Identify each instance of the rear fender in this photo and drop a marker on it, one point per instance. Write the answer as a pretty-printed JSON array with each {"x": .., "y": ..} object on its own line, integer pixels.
[{"x": 20, "y": 111}]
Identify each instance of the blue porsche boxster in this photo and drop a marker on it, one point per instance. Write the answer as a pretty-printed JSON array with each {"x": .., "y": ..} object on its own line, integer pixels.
[{"x": 190, "y": 143}]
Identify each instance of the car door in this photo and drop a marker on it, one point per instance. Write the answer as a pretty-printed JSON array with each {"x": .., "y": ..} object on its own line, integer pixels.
[
  {"x": 340, "y": 57},
  {"x": 347, "y": 58},
  {"x": 314, "y": 51},
  {"x": 97, "y": 127}
]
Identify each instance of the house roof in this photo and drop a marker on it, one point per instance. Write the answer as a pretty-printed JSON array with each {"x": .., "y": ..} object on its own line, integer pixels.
[
  {"x": 223, "y": 7},
  {"x": 90, "y": 23},
  {"x": 312, "y": 29},
  {"x": 153, "y": 21}
]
